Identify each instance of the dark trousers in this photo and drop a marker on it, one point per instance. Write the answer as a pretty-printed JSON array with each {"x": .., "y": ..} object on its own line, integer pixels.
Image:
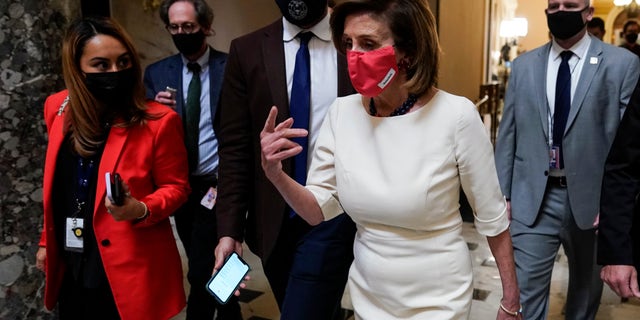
[
  {"x": 308, "y": 267},
  {"x": 79, "y": 303},
  {"x": 196, "y": 226}
]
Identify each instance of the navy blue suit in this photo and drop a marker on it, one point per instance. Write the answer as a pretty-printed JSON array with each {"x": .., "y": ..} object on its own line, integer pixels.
[
  {"x": 168, "y": 72},
  {"x": 196, "y": 225}
]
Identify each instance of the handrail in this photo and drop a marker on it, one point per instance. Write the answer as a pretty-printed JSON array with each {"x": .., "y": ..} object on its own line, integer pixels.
[{"x": 482, "y": 101}]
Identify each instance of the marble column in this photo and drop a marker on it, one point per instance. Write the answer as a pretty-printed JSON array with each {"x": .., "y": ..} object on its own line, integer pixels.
[{"x": 30, "y": 39}]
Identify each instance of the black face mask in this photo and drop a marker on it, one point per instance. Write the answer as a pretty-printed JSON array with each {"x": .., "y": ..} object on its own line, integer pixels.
[
  {"x": 112, "y": 88},
  {"x": 189, "y": 43},
  {"x": 303, "y": 13},
  {"x": 565, "y": 24},
  {"x": 631, "y": 37}
]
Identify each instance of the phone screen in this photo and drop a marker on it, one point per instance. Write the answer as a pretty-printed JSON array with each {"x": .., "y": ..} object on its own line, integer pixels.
[
  {"x": 226, "y": 280},
  {"x": 107, "y": 177}
]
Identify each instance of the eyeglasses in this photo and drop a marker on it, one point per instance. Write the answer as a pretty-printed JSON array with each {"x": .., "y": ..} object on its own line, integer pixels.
[{"x": 186, "y": 28}]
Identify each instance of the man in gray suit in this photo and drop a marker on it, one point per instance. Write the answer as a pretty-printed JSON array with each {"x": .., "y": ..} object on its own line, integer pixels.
[{"x": 562, "y": 108}]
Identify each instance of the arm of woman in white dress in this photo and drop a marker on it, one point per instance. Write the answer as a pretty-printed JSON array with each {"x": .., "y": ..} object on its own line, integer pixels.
[
  {"x": 480, "y": 183},
  {"x": 276, "y": 146},
  {"x": 502, "y": 250}
]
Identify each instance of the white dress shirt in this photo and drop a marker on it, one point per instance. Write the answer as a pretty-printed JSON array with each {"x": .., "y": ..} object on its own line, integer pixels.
[
  {"x": 207, "y": 142},
  {"x": 324, "y": 71}
]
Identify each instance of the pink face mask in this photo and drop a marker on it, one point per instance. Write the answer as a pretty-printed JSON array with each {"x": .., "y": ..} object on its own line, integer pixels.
[{"x": 372, "y": 71}]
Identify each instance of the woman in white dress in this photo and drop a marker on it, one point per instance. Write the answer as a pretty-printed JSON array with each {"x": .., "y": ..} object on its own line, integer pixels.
[{"x": 394, "y": 157}]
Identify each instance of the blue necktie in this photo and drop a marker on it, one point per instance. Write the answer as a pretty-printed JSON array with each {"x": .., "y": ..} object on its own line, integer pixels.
[
  {"x": 300, "y": 104},
  {"x": 192, "y": 116},
  {"x": 563, "y": 102}
]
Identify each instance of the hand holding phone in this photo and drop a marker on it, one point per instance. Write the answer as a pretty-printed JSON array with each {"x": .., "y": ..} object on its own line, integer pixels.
[
  {"x": 172, "y": 91},
  {"x": 167, "y": 97},
  {"x": 225, "y": 282},
  {"x": 114, "y": 188}
]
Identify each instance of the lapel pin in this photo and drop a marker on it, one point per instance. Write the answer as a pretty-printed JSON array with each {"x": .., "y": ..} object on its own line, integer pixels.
[{"x": 593, "y": 60}]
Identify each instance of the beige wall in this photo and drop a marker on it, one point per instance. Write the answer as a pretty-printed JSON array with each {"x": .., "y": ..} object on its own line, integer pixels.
[
  {"x": 461, "y": 27},
  {"x": 232, "y": 19},
  {"x": 538, "y": 31}
]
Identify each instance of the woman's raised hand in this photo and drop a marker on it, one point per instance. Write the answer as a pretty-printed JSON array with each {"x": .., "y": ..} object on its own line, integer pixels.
[{"x": 276, "y": 144}]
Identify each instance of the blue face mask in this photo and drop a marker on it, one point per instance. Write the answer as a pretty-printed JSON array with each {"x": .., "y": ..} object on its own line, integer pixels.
[{"x": 565, "y": 24}]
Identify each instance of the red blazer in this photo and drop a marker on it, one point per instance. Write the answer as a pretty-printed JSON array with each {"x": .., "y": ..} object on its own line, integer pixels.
[{"x": 141, "y": 259}]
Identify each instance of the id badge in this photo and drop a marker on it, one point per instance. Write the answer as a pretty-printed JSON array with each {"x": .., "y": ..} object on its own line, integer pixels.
[
  {"x": 74, "y": 240},
  {"x": 554, "y": 157},
  {"x": 209, "y": 199}
]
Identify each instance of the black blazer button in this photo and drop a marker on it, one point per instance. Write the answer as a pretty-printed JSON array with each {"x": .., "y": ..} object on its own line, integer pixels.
[
  {"x": 105, "y": 242},
  {"x": 546, "y": 173}
]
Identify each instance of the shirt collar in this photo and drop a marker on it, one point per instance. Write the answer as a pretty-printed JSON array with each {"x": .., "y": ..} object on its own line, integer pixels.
[
  {"x": 579, "y": 48},
  {"x": 321, "y": 30},
  {"x": 203, "y": 61}
]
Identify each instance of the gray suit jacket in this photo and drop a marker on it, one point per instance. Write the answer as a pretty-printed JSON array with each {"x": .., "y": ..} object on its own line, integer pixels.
[{"x": 607, "y": 80}]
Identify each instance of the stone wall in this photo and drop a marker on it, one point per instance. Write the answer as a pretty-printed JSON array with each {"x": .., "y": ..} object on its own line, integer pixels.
[
  {"x": 30, "y": 37},
  {"x": 31, "y": 33}
]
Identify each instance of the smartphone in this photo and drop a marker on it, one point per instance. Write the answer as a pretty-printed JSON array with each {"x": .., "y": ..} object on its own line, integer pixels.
[
  {"x": 225, "y": 282},
  {"x": 172, "y": 91},
  {"x": 114, "y": 188}
]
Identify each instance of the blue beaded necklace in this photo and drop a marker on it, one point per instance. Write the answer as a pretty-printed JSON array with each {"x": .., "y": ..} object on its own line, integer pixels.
[{"x": 404, "y": 108}]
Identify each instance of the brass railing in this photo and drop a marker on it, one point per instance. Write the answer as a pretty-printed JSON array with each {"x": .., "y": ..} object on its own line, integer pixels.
[{"x": 489, "y": 108}]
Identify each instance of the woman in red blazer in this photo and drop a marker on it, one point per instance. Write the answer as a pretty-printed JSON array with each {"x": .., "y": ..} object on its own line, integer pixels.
[{"x": 107, "y": 261}]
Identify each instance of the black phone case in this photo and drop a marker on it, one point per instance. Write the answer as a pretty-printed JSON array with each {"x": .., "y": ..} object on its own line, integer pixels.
[
  {"x": 214, "y": 276},
  {"x": 116, "y": 190}
]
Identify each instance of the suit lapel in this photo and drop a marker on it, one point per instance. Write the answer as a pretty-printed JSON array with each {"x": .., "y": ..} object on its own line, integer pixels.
[
  {"x": 110, "y": 159},
  {"x": 174, "y": 67},
  {"x": 113, "y": 149},
  {"x": 273, "y": 53},
  {"x": 216, "y": 70},
  {"x": 540, "y": 83},
  {"x": 586, "y": 77}
]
